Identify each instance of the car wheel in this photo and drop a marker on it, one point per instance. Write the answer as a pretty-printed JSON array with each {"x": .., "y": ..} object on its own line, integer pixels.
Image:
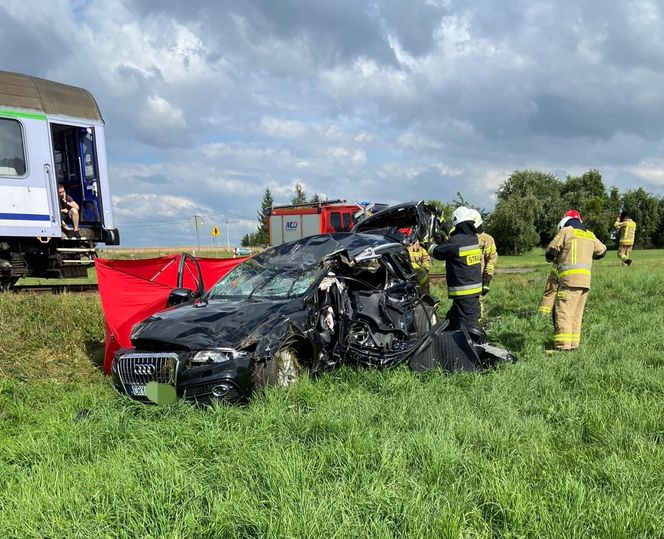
[
  {"x": 281, "y": 370},
  {"x": 423, "y": 320}
]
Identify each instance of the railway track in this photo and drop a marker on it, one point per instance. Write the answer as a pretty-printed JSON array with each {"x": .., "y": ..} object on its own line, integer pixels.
[{"x": 55, "y": 288}]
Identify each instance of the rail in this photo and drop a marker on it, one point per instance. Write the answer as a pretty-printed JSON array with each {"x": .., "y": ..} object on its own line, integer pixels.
[{"x": 79, "y": 288}]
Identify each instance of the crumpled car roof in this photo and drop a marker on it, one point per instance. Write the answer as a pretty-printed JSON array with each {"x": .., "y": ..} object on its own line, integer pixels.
[{"x": 312, "y": 250}]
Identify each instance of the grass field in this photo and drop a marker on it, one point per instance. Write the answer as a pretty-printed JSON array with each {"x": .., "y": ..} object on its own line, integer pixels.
[{"x": 569, "y": 446}]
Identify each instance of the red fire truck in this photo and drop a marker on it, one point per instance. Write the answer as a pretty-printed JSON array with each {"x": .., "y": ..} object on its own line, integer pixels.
[{"x": 289, "y": 223}]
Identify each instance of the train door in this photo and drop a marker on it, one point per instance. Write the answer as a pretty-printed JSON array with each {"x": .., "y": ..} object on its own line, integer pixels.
[
  {"x": 27, "y": 192},
  {"x": 77, "y": 169}
]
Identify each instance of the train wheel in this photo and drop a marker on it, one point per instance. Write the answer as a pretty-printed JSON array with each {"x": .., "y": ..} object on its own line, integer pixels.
[{"x": 6, "y": 283}]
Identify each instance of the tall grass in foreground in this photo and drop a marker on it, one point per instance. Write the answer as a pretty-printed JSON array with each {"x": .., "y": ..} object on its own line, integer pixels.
[{"x": 571, "y": 446}]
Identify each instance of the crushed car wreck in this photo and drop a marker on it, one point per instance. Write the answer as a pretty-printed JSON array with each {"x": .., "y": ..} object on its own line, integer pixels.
[{"x": 313, "y": 304}]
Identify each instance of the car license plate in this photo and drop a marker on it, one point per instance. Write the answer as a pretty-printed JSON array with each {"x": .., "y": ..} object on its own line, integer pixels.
[{"x": 136, "y": 390}]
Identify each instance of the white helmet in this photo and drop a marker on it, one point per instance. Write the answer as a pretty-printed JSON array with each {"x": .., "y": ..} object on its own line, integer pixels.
[
  {"x": 477, "y": 217},
  {"x": 563, "y": 222},
  {"x": 461, "y": 215}
]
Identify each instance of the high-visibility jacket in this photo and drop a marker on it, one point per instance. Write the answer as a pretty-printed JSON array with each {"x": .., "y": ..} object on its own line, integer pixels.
[
  {"x": 463, "y": 259},
  {"x": 627, "y": 230},
  {"x": 419, "y": 258},
  {"x": 489, "y": 253},
  {"x": 572, "y": 251}
]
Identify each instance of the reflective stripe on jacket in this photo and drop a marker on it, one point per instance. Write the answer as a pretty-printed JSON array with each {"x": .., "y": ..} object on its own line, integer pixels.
[
  {"x": 627, "y": 230},
  {"x": 419, "y": 258},
  {"x": 463, "y": 258},
  {"x": 576, "y": 249},
  {"x": 489, "y": 253}
]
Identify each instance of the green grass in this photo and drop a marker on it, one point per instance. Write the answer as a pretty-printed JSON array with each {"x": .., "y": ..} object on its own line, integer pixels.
[{"x": 571, "y": 446}]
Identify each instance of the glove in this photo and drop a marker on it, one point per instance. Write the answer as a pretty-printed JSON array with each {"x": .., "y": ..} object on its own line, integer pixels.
[
  {"x": 446, "y": 227},
  {"x": 485, "y": 285},
  {"x": 426, "y": 243}
]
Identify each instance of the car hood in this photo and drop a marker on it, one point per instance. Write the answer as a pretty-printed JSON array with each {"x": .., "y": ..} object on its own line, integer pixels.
[
  {"x": 221, "y": 323},
  {"x": 420, "y": 217}
]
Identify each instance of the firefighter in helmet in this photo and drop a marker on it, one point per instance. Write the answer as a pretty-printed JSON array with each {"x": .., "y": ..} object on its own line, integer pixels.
[
  {"x": 421, "y": 262},
  {"x": 463, "y": 268},
  {"x": 626, "y": 229},
  {"x": 572, "y": 251},
  {"x": 489, "y": 256},
  {"x": 551, "y": 287}
]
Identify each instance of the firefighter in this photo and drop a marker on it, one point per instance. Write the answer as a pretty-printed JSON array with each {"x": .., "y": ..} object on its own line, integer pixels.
[
  {"x": 551, "y": 287},
  {"x": 463, "y": 267},
  {"x": 549, "y": 296},
  {"x": 626, "y": 229},
  {"x": 572, "y": 250},
  {"x": 489, "y": 257},
  {"x": 421, "y": 262}
]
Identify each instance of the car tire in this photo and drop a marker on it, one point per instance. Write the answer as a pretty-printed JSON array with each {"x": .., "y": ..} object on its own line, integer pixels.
[
  {"x": 423, "y": 320},
  {"x": 282, "y": 370}
]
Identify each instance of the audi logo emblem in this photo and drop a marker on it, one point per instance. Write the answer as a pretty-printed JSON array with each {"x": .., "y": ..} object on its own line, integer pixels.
[{"x": 144, "y": 369}]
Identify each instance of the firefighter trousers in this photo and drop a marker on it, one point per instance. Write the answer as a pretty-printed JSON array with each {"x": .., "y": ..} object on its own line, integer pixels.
[
  {"x": 569, "y": 306},
  {"x": 549, "y": 296},
  {"x": 465, "y": 312},
  {"x": 624, "y": 251}
]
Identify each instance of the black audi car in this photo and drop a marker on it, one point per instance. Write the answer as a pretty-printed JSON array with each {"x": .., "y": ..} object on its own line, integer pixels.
[{"x": 310, "y": 304}]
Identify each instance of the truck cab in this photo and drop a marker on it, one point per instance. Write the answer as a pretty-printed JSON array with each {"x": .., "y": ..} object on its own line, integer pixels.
[{"x": 297, "y": 221}]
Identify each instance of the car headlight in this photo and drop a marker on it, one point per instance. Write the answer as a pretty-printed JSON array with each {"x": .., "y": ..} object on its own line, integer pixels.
[{"x": 216, "y": 356}]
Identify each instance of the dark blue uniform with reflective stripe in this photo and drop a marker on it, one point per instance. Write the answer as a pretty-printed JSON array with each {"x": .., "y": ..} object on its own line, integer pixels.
[{"x": 463, "y": 267}]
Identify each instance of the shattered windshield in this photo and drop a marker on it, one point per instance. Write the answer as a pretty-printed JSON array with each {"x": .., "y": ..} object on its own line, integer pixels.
[{"x": 251, "y": 279}]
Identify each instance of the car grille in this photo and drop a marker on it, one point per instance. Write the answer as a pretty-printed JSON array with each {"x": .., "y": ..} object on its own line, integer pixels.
[
  {"x": 139, "y": 369},
  {"x": 202, "y": 391}
]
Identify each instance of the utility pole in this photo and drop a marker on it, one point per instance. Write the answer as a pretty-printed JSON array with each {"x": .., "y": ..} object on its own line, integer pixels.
[
  {"x": 198, "y": 239},
  {"x": 228, "y": 242}
]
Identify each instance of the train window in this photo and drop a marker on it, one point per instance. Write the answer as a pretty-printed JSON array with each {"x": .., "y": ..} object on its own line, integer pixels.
[
  {"x": 335, "y": 221},
  {"x": 12, "y": 152},
  {"x": 348, "y": 224}
]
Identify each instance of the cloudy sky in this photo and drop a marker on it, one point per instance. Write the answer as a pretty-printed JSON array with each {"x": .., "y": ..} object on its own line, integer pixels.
[{"x": 209, "y": 102}]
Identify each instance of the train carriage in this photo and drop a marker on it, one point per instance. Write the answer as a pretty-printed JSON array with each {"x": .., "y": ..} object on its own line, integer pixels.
[{"x": 51, "y": 135}]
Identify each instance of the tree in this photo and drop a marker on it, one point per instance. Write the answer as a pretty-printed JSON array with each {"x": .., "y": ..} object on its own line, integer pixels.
[
  {"x": 250, "y": 240},
  {"x": 300, "y": 196},
  {"x": 587, "y": 194},
  {"x": 658, "y": 236},
  {"x": 444, "y": 208},
  {"x": 261, "y": 236},
  {"x": 513, "y": 223},
  {"x": 546, "y": 189},
  {"x": 315, "y": 198},
  {"x": 263, "y": 218}
]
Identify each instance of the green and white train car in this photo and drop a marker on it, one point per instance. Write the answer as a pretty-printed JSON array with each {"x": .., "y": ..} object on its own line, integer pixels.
[{"x": 51, "y": 134}]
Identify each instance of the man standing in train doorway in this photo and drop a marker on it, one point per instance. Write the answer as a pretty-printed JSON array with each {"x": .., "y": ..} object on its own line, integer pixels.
[{"x": 69, "y": 212}]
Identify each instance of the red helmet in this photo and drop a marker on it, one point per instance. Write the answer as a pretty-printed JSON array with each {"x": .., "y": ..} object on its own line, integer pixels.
[{"x": 573, "y": 214}]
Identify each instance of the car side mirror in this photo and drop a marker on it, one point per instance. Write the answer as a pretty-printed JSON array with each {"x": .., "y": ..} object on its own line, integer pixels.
[{"x": 179, "y": 295}]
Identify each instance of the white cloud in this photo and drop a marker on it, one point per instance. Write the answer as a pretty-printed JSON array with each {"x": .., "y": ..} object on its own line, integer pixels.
[
  {"x": 369, "y": 100},
  {"x": 160, "y": 114},
  {"x": 650, "y": 172}
]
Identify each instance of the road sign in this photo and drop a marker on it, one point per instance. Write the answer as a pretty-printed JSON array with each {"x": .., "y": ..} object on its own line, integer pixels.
[{"x": 216, "y": 231}]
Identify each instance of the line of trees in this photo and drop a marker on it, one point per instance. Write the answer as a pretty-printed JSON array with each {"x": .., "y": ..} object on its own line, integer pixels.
[{"x": 530, "y": 204}]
